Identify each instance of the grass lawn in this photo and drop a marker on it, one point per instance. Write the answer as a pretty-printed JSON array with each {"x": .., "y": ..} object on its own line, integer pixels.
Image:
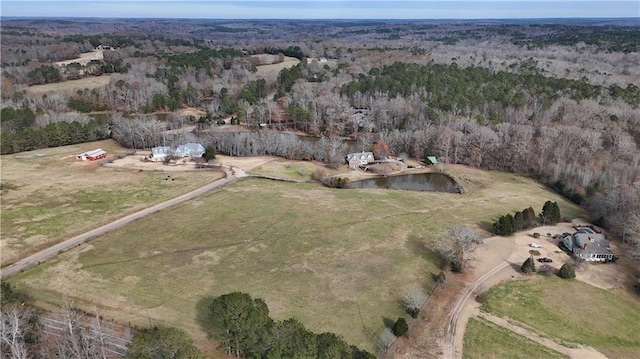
[
  {"x": 338, "y": 260},
  {"x": 573, "y": 312},
  {"x": 48, "y": 195},
  {"x": 290, "y": 170},
  {"x": 483, "y": 339}
]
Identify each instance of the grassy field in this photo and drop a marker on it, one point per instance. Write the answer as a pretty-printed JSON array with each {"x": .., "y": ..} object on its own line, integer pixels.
[
  {"x": 290, "y": 170},
  {"x": 338, "y": 260},
  {"x": 483, "y": 340},
  {"x": 48, "y": 195},
  {"x": 90, "y": 83},
  {"x": 572, "y": 312}
]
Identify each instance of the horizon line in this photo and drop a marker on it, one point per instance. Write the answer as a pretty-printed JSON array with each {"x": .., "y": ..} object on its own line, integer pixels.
[{"x": 320, "y": 19}]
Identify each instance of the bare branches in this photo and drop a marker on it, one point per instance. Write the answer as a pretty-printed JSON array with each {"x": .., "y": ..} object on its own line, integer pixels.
[{"x": 455, "y": 243}]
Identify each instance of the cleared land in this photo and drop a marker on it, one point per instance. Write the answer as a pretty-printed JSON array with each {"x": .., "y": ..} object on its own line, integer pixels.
[
  {"x": 90, "y": 82},
  {"x": 484, "y": 339},
  {"x": 571, "y": 312},
  {"x": 338, "y": 260},
  {"x": 48, "y": 195},
  {"x": 84, "y": 58},
  {"x": 270, "y": 72}
]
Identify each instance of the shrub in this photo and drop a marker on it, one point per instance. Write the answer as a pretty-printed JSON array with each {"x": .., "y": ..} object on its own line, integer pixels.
[
  {"x": 567, "y": 271},
  {"x": 413, "y": 312},
  {"x": 318, "y": 174},
  {"x": 400, "y": 327},
  {"x": 528, "y": 266},
  {"x": 536, "y": 235},
  {"x": 546, "y": 269},
  {"x": 441, "y": 278},
  {"x": 534, "y": 252},
  {"x": 336, "y": 182}
]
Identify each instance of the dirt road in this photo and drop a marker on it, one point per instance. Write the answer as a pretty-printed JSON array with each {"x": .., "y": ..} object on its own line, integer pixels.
[
  {"x": 450, "y": 334},
  {"x": 50, "y": 252}
]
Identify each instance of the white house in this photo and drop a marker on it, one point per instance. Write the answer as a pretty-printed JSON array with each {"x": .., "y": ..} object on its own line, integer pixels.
[
  {"x": 160, "y": 153},
  {"x": 190, "y": 149},
  {"x": 359, "y": 158}
]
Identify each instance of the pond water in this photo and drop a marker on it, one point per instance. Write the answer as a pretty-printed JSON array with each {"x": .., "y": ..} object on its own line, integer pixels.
[{"x": 412, "y": 182}]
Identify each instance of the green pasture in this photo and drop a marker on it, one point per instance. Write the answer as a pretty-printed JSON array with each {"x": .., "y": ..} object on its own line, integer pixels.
[
  {"x": 483, "y": 339},
  {"x": 570, "y": 311},
  {"x": 338, "y": 260},
  {"x": 48, "y": 195}
]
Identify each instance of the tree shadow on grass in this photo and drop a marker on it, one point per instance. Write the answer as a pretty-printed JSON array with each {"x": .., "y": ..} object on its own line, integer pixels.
[
  {"x": 202, "y": 313},
  {"x": 418, "y": 246},
  {"x": 487, "y": 226},
  {"x": 388, "y": 322}
]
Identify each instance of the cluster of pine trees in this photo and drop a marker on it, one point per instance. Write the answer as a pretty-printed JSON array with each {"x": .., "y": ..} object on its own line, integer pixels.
[
  {"x": 244, "y": 327},
  {"x": 525, "y": 219}
]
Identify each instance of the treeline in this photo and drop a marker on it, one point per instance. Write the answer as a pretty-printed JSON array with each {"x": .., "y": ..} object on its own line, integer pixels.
[
  {"x": 201, "y": 59},
  {"x": 453, "y": 89},
  {"x": 53, "y": 135},
  {"x": 508, "y": 224},
  {"x": 291, "y": 51},
  {"x": 22, "y": 132},
  {"x": 605, "y": 38},
  {"x": 246, "y": 330}
]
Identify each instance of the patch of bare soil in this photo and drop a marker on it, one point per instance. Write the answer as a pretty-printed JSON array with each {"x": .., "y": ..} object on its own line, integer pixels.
[{"x": 137, "y": 162}]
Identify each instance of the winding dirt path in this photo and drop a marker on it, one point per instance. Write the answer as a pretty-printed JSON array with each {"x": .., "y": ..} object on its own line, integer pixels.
[
  {"x": 495, "y": 262},
  {"x": 451, "y": 350}
]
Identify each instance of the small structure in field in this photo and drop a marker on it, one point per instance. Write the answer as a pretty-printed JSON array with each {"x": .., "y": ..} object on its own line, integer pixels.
[
  {"x": 94, "y": 155},
  {"x": 588, "y": 245},
  {"x": 358, "y": 159},
  {"x": 160, "y": 153},
  {"x": 432, "y": 160},
  {"x": 190, "y": 149}
]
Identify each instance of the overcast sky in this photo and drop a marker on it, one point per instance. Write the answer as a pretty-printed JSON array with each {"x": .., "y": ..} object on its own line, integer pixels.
[{"x": 324, "y": 9}]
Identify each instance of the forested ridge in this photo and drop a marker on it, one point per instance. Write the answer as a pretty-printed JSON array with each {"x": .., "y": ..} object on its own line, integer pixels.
[{"x": 556, "y": 102}]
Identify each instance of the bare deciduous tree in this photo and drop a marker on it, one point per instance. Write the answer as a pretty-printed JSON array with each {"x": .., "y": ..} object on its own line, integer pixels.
[{"x": 455, "y": 244}]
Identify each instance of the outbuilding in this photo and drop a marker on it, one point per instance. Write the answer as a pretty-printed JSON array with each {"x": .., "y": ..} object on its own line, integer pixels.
[{"x": 94, "y": 155}]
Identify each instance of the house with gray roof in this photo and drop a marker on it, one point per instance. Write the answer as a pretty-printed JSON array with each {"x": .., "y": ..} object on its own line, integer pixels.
[
  {"x": 359, "y": 158},
  {"x": 586, "y": 244},
  {"x": 190, "y": 149}
]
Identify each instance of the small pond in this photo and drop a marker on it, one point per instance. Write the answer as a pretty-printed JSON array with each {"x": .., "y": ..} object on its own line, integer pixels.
[{"x": 412, "y": 182}]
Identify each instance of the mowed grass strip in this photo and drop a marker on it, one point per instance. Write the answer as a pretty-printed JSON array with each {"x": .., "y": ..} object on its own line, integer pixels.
[
  {"x": 51, "y": 196},
  {"x": 338, "y": 260},
  {"x": 483, "y": 339},
  {"x": 290, "y": 170},
  {"x": 571, "y": 311}
]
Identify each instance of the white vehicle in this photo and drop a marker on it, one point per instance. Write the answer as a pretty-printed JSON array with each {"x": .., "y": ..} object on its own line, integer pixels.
[{"x": 534, "y": 245}]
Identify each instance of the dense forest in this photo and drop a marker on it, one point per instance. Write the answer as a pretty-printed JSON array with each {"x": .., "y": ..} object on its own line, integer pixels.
[{"x": 559, "y": 102}]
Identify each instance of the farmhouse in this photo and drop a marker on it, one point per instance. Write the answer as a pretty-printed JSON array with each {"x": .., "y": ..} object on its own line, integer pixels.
[
  {"x": 359, "y": 158},
  {"x": 92, "y": 155},
  {"x": 160, "y": 153},
  {"x": 588, "y": 245},
  {"x": 191, "y": 149}
]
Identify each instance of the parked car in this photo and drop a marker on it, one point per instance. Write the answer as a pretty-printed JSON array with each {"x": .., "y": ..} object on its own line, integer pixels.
[
  {"x": 545, "y": 260},
  {"x": 534, "y": 245}
]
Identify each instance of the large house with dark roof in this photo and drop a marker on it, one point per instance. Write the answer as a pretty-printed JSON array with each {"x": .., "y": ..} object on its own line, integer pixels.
[{"x": 586, "y": 244}]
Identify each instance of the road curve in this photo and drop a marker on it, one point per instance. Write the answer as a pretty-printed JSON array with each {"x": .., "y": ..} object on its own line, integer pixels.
[
  {"x": 452, "y": 326},
  {"x": 52, "y": 251}
]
